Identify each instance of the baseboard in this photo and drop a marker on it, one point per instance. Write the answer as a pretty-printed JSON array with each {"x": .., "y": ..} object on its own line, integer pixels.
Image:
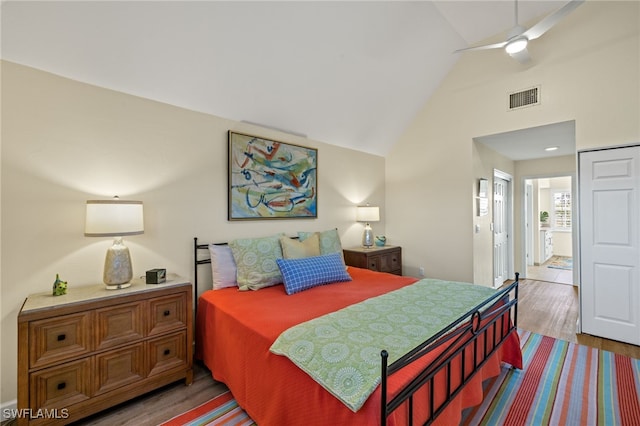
[{"x": 8, "y": 408}]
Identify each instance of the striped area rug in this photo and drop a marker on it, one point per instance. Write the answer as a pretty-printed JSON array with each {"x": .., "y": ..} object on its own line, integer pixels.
[
  {"x": 561, "y": 383},
  {"x": 221, "y": 410}
]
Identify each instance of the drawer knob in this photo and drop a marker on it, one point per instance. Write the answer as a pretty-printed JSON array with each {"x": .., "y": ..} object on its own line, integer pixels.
[
  {"x": 167, "y": 351},
  {"x": 167, "y": 313},
  {"x": 62, "y": 385},
  {"x": 61, "y": 337}
]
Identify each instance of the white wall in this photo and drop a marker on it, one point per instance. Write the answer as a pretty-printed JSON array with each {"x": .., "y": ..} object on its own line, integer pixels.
[
  {"x": 64, "y": 142},
  {"x": 587, "y": 68}
]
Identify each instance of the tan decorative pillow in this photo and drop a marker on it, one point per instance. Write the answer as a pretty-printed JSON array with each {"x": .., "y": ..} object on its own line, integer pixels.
[
  {"x": 329, "y": 241},
  {"x": 297, "y": 249}
]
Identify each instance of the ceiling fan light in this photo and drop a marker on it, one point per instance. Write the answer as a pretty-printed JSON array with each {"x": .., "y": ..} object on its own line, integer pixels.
[{"x": 516, "y": 45}]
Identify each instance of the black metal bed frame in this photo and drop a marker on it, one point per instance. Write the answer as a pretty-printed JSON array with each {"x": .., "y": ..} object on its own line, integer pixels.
[{"x": 469, "y": 333}]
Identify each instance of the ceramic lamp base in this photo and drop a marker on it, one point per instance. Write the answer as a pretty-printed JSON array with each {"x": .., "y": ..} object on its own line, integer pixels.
[
  {"x": 117, "y": 266},
  {"x": 367, "y": 236}
]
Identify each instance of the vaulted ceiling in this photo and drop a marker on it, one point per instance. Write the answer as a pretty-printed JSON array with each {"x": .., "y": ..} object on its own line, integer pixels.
[{"x": 348, "y": 73}]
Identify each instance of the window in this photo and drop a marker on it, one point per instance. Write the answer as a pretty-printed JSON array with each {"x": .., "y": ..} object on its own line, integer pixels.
[{"x": 561, "y": 209}]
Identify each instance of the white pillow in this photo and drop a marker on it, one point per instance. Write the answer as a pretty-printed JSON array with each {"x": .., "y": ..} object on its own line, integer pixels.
[{"x": 223, "y": 267}]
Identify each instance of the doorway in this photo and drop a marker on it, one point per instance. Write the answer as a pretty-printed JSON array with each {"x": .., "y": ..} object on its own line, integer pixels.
[
  {"x": 549, "y": 238},
  {"x": 502, "y": 227}
]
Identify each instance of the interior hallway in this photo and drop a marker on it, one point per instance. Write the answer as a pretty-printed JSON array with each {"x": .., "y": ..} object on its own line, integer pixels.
[{"x": 553, "y": 275}]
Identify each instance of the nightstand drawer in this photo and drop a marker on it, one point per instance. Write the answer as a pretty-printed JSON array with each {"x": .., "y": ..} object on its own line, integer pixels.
[
  {"x": 390, "y": 262},
  {"x": 167, "y": 353},
  {"x": 373, "y": 263},
  {"x": 119, "y": 368},
  {"x": 167, "y": 313},
  {"x": 61, "y": 386},
  {"x": 119, "y": 324},
  {"x": 381, "y": 259},
  {"x": 56, "y": 339}
]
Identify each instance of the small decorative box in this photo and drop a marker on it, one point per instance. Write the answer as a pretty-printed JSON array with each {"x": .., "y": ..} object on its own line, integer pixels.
[{"x": 156, "y": 276}]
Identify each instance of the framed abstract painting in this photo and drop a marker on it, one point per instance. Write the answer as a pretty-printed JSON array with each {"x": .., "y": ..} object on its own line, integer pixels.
[{"x": 270, "y": 179}]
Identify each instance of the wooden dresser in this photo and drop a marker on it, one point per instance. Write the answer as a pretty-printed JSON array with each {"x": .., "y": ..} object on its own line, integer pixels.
[
  {"x": 381, "y": 259},
  {"x": 94, "y": 348}
]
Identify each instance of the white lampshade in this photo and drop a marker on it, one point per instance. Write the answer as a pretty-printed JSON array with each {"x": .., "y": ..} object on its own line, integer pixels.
[
  {"x": 367, "y": 214},
  {"x": 113, "y": 218}
]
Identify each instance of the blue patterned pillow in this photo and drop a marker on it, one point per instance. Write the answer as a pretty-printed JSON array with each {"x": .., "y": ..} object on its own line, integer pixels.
[{"x": 303, "y": 274}]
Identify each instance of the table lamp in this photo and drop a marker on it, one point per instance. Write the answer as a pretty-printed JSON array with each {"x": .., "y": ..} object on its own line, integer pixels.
[
  {"x": 115, "y": 218},
  {"x": 367, "y": 214}
]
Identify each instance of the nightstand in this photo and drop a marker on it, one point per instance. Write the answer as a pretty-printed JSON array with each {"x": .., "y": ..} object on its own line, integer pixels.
[
  {"x": 93, "y": 348},
  {"x": 381, "y": 259}
]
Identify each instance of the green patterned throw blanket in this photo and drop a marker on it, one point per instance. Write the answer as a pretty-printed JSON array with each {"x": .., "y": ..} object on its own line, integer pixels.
[{"x": 341, "y": 350}]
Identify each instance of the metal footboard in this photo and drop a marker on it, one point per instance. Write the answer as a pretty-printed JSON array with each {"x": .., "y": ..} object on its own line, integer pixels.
[{"x": 477, "y": 334}]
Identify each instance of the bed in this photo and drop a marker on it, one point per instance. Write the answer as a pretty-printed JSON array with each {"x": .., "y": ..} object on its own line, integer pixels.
[{"x": 430, "y": 384}]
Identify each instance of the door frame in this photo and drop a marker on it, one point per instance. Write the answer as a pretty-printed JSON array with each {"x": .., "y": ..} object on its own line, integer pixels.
[
  {"x": 509, "y": 225},
  {"x": 575, "y": 237},
  {"x": 528, "y": 224}
]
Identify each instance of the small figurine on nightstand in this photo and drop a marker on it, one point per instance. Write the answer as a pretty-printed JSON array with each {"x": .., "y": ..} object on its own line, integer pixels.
[
  {"x": 381, "y": 240},
  {"x": 59, "y": 287}
]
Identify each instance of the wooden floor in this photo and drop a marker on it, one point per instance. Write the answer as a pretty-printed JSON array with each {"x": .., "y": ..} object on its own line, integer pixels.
[
  {"x": 544, "y": 308},
  {"x": 552, "y": 309}
]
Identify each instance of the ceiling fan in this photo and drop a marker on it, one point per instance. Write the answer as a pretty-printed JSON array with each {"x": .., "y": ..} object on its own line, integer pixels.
[{"x": 518, "y": 37}]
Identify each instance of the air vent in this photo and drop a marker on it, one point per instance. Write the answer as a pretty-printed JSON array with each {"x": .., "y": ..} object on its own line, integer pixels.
[{"x": 524, "y": 98}]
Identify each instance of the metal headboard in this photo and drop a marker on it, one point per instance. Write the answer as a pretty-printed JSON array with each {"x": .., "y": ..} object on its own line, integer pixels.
[{"x": 197, "y": 262}]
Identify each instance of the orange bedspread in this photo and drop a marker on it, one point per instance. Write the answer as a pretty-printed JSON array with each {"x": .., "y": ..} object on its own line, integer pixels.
[{"x": 235, "y": 329}]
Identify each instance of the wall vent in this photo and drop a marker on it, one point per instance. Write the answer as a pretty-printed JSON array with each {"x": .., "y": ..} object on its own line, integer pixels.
[{"x": 524, "y": 98}]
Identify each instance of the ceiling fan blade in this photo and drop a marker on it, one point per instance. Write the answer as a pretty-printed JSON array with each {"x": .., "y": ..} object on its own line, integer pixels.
[
  {"x": 546, "y": 23},
  {"x": 485, "y": 47},
  {"x": 521, "y": 56}
]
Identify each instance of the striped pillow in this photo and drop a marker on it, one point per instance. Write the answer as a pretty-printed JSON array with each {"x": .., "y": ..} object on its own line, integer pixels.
[{"x": 302, "y": 274}]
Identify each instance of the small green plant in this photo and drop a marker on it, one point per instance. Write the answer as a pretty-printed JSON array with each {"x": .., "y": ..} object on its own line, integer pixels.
[{"x": 544, "y": 217}]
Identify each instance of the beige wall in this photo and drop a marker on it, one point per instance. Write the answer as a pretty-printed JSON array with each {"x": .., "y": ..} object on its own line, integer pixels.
[
  {"x": 64, "y": 142},
  {"x": 485, "y": 161},
  {"x": 587, "y": 68}
]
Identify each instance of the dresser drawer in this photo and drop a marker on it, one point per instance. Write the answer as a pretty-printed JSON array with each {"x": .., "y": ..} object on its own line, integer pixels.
[
  {"x": 61, "y": 386},
  {"x": 119, "y": 324},
  {"x": 167, "y": 353},
  {"x": 167, "y": 313},
  {"x": 96, "y": 348},
  {"x": 59, "y": 338},
  {"x": 119, "y": 368}
]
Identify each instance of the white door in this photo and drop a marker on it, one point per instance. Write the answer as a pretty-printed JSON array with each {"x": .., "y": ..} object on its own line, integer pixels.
[
  {"x": 500, "y": 231},
  {"x": 609, "y": 182},
  {"x": 529, "y": 223}
]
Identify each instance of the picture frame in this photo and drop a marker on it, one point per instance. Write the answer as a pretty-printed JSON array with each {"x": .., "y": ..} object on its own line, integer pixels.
[
  {"x": 269, "y": 179},
  {"x": 483, "y": 186}
]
